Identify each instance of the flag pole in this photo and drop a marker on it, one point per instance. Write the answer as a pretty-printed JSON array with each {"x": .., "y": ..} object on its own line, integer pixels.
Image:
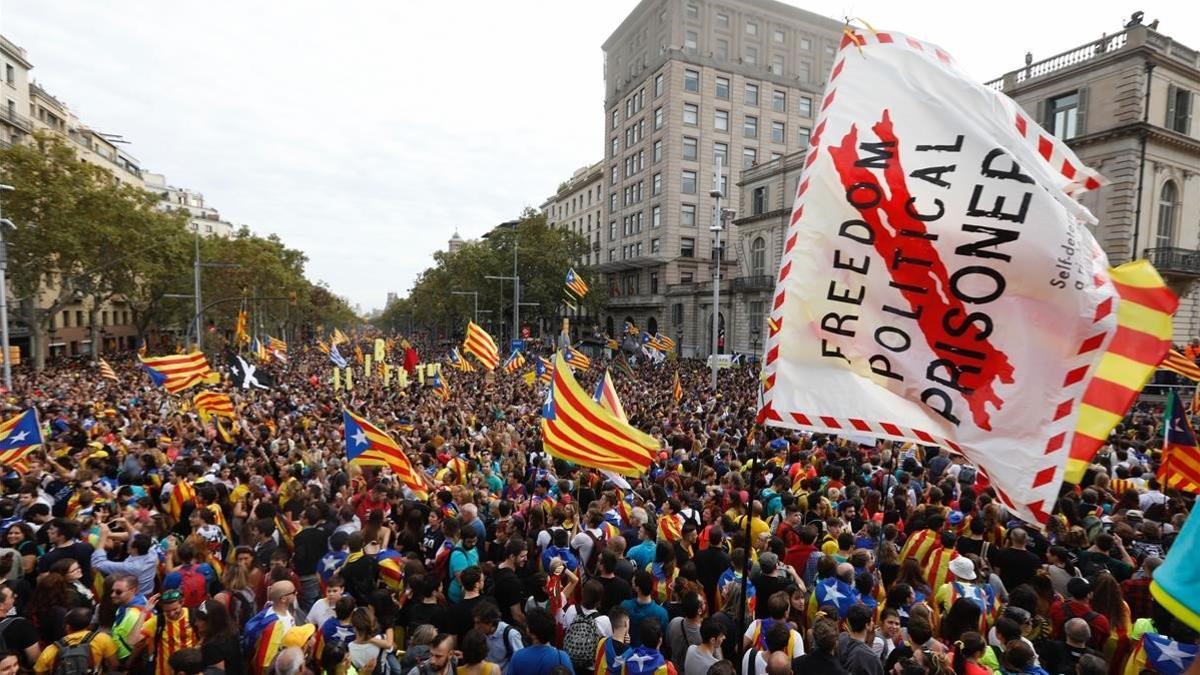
[{"x": 746, "y": 557}]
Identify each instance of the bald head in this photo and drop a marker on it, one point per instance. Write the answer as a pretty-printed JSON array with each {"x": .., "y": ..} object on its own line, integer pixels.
[
  {"x": 779, "y": 663},
  {"x": 845, "y": 572},
  {"x": 1077, "y": 631}
]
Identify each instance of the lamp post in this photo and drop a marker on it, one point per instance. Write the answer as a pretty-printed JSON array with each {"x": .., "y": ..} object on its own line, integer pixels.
[
  {"x": 475, "y": 295},
  {"x": 716, "y": 193},
  {"x": 4, "y": 296}
]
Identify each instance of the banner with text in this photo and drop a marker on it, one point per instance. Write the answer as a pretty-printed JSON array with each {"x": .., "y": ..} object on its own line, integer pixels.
[{"x": 939, "y": 283}]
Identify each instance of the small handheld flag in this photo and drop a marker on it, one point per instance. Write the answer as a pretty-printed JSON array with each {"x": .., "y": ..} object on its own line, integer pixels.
[
  {"x": 576, "y": 359},
  {"x": 479, "y": 343},
  {"x": 514, "y": 362},
  {"x": 107, "y": 372},
  {"x": 19, "y": 436},
  {"x": 211, "y": 403},
  {"x": 576, "y": 284},
  {"x": 1180, "y": 467},
  {"x": 677, "y": 392},
  {"x": 336, "y": 357},
  {"x": 178, "y": 371},
  {"x": 1180, "y": 364}
]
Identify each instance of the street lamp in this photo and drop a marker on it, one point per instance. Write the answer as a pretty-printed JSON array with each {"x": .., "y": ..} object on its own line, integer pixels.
[
  {"x": 716, "y": 193},
  {"x": 4, "y": 222}
]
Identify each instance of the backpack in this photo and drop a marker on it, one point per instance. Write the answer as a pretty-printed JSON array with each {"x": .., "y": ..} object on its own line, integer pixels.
[
  {"x": 3, "y": 627},
  {"x": 594, "y": 555},
  {"x": 75, "y": 659},
  {"x": 581, "y": 639},
  {"x": 241, "y": 605},
  {"x": 193, "y": 586}
]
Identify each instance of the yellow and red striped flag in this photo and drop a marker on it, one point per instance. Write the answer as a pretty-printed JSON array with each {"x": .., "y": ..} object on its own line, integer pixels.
[
  {"x": 1180, "y": 466},
  {"x": 211, "y": 403},
  {"x": 1141, "y": 339},
  {"x": 181, "y": 493},
  {"x": 240, "y": 336},
  {"x": 577, "y": 359},
  {"x": 368, "y": 445},
  {"x": 479, "y": 343},
  {"x": 1178, "y": 363},
  {"x": 19, "y": 436},
  {"x": 577, "y": 429},
  {"x": 107, "y": 372},
  {"x": 179, "y": 371},
  {"x": 677, "y": 393},
  {"x": 338, "y": 337},
  {"x": 514, "y": 362}
]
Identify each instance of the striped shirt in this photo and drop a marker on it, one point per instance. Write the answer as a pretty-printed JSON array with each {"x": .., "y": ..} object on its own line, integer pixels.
[{"x": 176, "y": 635}]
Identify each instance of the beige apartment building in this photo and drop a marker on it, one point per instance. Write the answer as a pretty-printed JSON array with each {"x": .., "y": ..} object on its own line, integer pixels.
[
  {"x": 577, "y": 206},
  {"x": 14, "y": 125},
  {"x": 1125, "y": 104},
  {"x": 688, "y": 83},
  {"x": 202, "y": 219}
]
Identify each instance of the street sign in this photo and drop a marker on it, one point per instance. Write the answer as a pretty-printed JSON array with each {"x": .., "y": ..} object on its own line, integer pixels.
[{"x": 518, "y": 345}]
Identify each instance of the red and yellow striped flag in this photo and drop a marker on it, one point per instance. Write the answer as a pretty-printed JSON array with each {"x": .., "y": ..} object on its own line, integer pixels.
[
  {"x": 677, "y": 392},
  {"x": 1142, "y": 337},
  {"x": 1178, "y": 363},
  {"x": 107, "y": 372},
  {"x": 479, "y": 343},
  {"x": 211, "y": 403},
  {"x": 179, "y": 371},
  {"x": 182, "y": 493},
  {"x": 577, "y": 429}
]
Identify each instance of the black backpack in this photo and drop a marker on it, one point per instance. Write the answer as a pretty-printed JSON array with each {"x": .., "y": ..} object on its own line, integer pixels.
[{"x": 75, "y": 659}]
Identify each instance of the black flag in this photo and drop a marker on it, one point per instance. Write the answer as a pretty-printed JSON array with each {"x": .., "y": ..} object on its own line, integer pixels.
[{"x": 247, "y": 375}]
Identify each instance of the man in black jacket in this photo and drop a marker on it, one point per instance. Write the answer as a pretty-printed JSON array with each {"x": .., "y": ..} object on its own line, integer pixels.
[{"x": 311, "y": 543}]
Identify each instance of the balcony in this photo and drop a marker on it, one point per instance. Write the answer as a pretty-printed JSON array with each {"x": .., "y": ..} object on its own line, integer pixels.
[
  {"x": 1176, "y": 262},
  {"x": 16, "y": 120},
  {"x": 762, "y": 282}
]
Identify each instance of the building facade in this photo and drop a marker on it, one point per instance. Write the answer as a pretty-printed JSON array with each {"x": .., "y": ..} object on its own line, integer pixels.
[
  {"x": 688, "y": 84},
  {"x": 202, "y": 219},
  {"x": 14, "y": 125},
  {"x": 577, "y": 206},
  {"x": 1125, "y": 104}
]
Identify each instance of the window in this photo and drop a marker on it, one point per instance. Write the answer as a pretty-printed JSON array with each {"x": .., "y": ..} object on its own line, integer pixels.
[
  {"x": 691, "y": 80},
  {"x": 690, "y": 41},
  {"x": 612, "y": 202},
  {"x": 654, "y": 245},
  {"x": 803, "y": 71},
  {"x": 655, "y": 217},
  {"x": 693, "y": 11},
  {"x": 721, "y": 120},
  {"x": 10, "y": 75},
  {"x": 690, "y": 148},
  {"x": 777, "y": 65},
  {"x": 779, "y": 101},
  {"x": 805, "y": 134},
  {"x": 777, "y": 133},
  {"x": 612, "y": 254},
  {"x": 751, "y": 94},
  {"x": 79, "y": 318},
  {"x": 684, "y": 278},
  {"x": 687, "y": 215},
  {"x": 722, "y": 49},
  {"x": 639, "y": 250},
  {"x": 653, "y": 275},
  {"x": 658, "y": 118},
  {"x": 750, "y": 127},
  {"x": 1062, "y": 114},
  {"x": 1164, "y": 236},
  {"x": 656, "y": 184},
  {"x": 829, "y": 51},
  {"x": 688, "y": 183},
  {"x": 657, "y": 152},
  {"x": 805, "y": 106},
  {"x": 1179, "y": 109},
  {"x": 687, "y": 247},
  {"x": 723, "y": 87},
  {"x": 616, "y": 117},
  {"x": 780, "y": 36},
  {"x": 613, "y": 179},
  {"x": 751, "y": 28},
  {"x": 758, "y": 257},
  {"x": 758, "y": 200},
  {"x": 751, "y": 56},
  {"x": 756, "y": 321},
  {"x": 806, "y": 44},
  {"x": 749, "y": 157},
  {"x": 691, "y": 114},
  {"x": 615, "y": 146},
  {"x": 658, "y": 91},
  {"x": 722, "y": 20},
  {"x": 721, "y": 154}
]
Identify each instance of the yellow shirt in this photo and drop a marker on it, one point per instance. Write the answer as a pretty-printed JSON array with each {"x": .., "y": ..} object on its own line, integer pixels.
[
  {"x": 102, "y": 645},
  {"x": 758, "y": 526}
]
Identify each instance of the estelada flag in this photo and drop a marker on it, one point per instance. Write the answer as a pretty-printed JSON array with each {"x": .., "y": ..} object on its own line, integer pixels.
[
  {"x": 939, "y": 283},
  {"x": 1180, "y": 467}
]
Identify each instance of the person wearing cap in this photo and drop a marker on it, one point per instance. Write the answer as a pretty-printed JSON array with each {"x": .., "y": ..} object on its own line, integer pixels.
[
  {"x": 164, "y": 632},
  {"x": 1078, "y": 605}
]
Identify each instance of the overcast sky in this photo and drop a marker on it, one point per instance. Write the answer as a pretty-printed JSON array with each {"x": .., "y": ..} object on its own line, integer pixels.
[{"x": 366, "y": 132}]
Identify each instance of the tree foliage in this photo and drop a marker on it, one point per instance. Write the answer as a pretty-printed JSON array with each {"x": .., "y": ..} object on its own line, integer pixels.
[
  {"x": 82, "y": 236},
  {"x": 544, "y": 254}
]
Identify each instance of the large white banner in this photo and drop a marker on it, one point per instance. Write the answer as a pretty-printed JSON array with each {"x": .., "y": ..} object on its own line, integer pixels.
[{"x": 939, "y": 283}]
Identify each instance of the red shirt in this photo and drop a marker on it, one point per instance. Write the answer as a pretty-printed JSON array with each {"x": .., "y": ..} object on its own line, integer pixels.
[
  {"x": 1064, "y": 610},
  {"x": 364, "y": 506}
]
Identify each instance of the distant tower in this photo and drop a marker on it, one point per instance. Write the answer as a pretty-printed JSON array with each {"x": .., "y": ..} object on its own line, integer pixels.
[{"x": 456, "y": 242}]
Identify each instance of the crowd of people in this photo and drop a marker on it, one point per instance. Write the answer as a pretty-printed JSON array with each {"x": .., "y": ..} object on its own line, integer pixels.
[{"x": 141, "y": 538}]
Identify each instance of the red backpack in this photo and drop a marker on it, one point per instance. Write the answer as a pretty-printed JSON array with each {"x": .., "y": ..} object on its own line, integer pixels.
[{"x": 192, "y": 585}]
